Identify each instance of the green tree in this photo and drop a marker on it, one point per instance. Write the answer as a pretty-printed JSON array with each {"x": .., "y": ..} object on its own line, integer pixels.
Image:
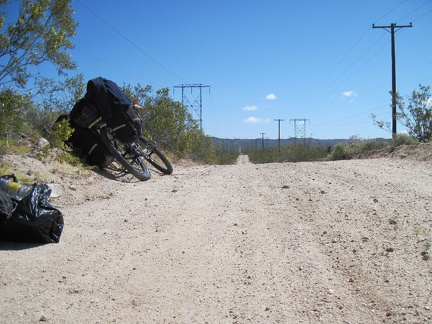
[
  {"x": 417, "y": 116},
  {"x": 54, "y": 98},
  {"x": 170, "y": 124},
  {"x": 12, "y": 111},
  {"x": 41, "y": 33}
]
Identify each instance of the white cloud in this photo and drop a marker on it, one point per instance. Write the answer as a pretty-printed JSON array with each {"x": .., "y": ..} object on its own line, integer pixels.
[
  {"x": 271, "y": 96},
  {"x": 349, "y": 94},
  {"x": 255, "y": 120},
  {"x": 250, "y": 108},
  {"x": 252, "y": 120}
]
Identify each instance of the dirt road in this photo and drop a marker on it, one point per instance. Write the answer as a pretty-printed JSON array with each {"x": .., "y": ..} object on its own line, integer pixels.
[{"x": 324, "y": 242}]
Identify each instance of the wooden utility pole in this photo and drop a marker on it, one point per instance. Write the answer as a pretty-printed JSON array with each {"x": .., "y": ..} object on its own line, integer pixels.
[
  {"x": 262, "y": 141},
  {"x": 393, "y": 55}
]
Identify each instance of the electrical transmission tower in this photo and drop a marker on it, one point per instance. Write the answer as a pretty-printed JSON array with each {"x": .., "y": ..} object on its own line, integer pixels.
[
  {"x": 299, "y": 128},
  {"x": 195, "y": 104},
  {"x": 393, "y": 55}
]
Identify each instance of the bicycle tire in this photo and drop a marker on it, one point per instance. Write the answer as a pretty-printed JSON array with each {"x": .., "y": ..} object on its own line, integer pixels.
[
  {"x": 155, "y": 157},
  {"x": 133, "y": 163}
]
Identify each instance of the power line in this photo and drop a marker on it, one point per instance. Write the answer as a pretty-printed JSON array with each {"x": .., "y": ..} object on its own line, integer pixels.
[
  {"x": 392, "y": 10},
  {"x": 346, "y": 71},
  {"x": 116, "y": 67},
  {"x": 340, "y": 61},
  {"x": 321, "y": 93},
  {"x": 422, "y": 15},
  {"x": 415, "y": 11},
  {"x": 129, "y": 41}
]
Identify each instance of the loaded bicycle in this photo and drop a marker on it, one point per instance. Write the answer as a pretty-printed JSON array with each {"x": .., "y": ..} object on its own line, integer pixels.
[{"x": 108, "y": 127}]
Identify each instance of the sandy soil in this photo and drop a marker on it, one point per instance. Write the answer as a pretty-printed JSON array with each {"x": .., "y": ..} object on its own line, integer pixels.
[{"x": 323, "y": 242}]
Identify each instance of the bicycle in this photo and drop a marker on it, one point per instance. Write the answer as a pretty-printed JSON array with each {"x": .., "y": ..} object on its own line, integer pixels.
[{"x": 133, "y": 156}]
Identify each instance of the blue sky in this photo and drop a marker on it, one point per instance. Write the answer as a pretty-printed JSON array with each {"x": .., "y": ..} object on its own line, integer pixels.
[{"x": 318, "y": 60}]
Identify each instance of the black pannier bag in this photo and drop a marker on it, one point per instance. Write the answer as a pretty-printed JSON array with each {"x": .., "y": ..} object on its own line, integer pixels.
[
  {"x": 84, "y": 114},
  {"x": 115, "y": 109},
  {"x": 125, "y": 123},
  {"x": 34, "y": 219},
  {"x": 85, "y": 143}
]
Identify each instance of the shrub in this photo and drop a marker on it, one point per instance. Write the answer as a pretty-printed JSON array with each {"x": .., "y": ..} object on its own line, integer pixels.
[
  {"x": 403, "y": 139},
  {"x": 341, "y": 151},
  {"x": 60, "y": 133},
  {"x": 345, "y": 151},
  {"x": 292, "y": 153}
]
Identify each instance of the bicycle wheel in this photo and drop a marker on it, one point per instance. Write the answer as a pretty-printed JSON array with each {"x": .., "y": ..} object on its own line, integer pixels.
[
  {"x": 154, "y": 156},
  {"x": 128, "y": 155}
]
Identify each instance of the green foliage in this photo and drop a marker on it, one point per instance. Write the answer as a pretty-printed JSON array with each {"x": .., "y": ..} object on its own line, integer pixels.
[
  {"x": 224, "y": 157},
  {"x": 341, "y": 151},
  {"x": 61, "y": 133},
  {"x": 54, "y": 99},
  {"x": 404, "y": 139},
  {"x": 345, "y": 151},
  {"x": 12, "y": 112},
  {"x": 70, "y": 158},
  {"x": 171, "y": 125},
  {"x": 13, "y": 144},
  {"x": 292, "y": 153},
  {"x": 417, "y": 116},
  {"x": 37, "y": 114},
  {"x": 41, "y": 33}
]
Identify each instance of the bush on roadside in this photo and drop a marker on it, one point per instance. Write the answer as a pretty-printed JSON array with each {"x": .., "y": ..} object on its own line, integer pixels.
[
  {"x": 345, "y": 151},
  {"x": 404, "y": 139},
  {"x": 292, "y": 153},
  {"x": 61, "y": 133}
]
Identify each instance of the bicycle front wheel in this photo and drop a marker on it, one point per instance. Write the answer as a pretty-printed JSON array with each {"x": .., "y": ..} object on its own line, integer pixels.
[
  {"x": 154, "y": 156},
  {"x": 126, "y": 154}
]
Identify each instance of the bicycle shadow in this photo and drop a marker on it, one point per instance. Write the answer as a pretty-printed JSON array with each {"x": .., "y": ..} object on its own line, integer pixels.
[{"x": 116, "y": 174}]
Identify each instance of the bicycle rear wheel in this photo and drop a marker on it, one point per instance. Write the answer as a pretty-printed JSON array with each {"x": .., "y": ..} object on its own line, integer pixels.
[
  {"x": 126, "y": 154},
  {"x": 154, "y": 156}
]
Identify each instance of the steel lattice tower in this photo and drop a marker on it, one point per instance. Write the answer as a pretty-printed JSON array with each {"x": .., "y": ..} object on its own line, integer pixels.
[
  {"x": 195, "y": 104},
  {"x": 299, "y": 127}
]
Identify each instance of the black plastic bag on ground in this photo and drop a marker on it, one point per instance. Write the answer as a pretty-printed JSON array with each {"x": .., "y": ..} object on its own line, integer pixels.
[
  {"x": 34, "y": 219},
  {"x": 7, "y": 207}
]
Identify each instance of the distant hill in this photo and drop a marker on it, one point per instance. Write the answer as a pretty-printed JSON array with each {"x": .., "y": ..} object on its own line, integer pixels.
[{"x": 256, "y": 143}]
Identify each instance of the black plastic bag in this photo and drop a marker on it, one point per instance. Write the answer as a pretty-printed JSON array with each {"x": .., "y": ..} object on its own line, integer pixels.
[
  {"x": 7, "y": 207},
  {"x": 34, "y": 219}
]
